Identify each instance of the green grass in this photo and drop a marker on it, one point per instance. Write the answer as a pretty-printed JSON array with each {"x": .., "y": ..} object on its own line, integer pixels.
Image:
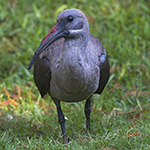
[{"x": 120, "y": 116}]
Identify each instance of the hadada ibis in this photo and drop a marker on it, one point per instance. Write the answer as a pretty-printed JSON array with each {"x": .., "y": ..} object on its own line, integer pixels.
[{"x": 70, "y": 64}]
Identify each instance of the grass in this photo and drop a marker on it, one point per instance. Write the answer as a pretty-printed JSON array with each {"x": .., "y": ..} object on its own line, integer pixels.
[{"x": 120, "y": 115}]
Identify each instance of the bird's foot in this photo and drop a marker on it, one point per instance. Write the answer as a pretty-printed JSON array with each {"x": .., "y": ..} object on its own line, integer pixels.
[{"x": 65, "y": 139}]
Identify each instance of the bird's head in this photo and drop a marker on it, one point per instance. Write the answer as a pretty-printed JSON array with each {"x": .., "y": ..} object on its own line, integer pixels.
[{"x": 70, "y": 24}]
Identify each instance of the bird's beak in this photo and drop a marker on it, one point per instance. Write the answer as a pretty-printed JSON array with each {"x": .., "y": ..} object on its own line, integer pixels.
[{"x": 57, "y": 32}]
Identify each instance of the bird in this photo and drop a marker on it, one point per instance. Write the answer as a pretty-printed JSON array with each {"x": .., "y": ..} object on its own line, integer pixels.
[{"x": 70, "y": 64}]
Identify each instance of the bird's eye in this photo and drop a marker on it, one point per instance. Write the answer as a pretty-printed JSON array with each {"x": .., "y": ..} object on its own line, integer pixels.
[{"x": 70, "y": 19}]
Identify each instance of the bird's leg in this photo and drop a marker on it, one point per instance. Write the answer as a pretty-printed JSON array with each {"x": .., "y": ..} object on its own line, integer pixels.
[
  {"x": 87, "y": 113},
  {"x": 61, "y": 120}
]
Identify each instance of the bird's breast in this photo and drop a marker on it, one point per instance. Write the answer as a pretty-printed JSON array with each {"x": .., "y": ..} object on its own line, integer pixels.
[{"x": 73, "y": 79}]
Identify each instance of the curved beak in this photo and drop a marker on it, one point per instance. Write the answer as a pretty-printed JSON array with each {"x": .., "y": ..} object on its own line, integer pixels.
[{"x": 57, "y": 32}]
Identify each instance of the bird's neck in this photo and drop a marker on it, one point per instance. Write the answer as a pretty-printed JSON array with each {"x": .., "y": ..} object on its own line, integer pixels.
[{"x": 76, "y": 44}]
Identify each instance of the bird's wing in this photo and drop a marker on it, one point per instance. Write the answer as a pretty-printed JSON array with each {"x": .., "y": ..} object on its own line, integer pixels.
[
  {"x": 104, "y": 73},
  {"x": 42, "y": 75},
  {"x": 103, "y": 63}
]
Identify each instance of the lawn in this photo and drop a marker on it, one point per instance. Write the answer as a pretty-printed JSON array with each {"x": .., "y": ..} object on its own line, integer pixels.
[{"x": 120, "y": 117}]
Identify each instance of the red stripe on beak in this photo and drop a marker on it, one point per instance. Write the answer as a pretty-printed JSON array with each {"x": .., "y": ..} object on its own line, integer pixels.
[{"x": 51, "y": 32}]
